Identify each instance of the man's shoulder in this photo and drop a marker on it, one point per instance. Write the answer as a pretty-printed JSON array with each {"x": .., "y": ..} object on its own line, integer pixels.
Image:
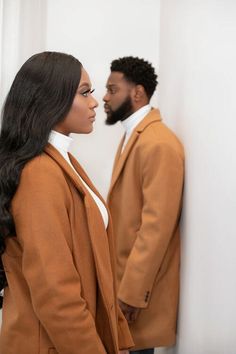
[{"x": 157, "y": 133}]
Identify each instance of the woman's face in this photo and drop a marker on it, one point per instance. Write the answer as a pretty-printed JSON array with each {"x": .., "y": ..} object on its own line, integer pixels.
[{"x": 81, "y": 116}]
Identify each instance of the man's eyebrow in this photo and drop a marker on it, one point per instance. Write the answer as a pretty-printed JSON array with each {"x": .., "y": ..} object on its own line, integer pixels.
[{"x": 111, "y": 85}]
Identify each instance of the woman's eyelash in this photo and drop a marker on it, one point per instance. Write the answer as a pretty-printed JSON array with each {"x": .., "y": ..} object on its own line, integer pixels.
[{"x": 85, "y": 93}]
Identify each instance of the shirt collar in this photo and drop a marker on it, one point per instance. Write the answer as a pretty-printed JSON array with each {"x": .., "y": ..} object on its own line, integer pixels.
[
  {"x": 60, "y": 141},
  {"x": 132, "y": 121}
]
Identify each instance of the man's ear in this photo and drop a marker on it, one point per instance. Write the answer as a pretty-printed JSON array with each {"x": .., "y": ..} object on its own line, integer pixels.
[{"x": 139, "y": 93}]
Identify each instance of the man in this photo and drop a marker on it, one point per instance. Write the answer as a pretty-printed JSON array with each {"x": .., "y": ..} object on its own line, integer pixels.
[{"x": 145, "y": 203}]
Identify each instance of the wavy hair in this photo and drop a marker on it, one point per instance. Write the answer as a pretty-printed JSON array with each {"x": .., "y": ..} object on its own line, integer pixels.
[{"x": 41, "y": 95}]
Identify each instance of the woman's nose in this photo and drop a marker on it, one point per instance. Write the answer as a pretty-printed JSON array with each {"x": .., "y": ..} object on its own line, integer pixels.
[{"x": 93, "y": 102}]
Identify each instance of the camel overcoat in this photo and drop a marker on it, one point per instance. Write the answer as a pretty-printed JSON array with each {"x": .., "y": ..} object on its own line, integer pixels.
[
  {"x": 60, "y": 297},
  {"x": 145, "y": 203}
]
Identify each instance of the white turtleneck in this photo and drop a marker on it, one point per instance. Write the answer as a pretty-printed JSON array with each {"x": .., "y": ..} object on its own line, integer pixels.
[
  {"x": 132, "y": 121},
  {"x": 62, "y": 143}
]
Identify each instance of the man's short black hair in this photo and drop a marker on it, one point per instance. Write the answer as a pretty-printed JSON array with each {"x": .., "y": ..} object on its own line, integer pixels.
[{"x": 138, "y": 71}]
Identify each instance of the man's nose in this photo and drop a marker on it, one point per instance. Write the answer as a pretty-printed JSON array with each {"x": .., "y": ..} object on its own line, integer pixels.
[{"x": 106, "y": 98}]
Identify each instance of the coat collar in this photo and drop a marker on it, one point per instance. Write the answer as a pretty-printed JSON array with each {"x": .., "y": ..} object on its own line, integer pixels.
[
  {"x": 56, "y": 156},
  {"x": 153, "y": 116}
]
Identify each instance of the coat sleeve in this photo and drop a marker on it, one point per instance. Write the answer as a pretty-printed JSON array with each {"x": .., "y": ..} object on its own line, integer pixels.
[
  {"x": 161, "y": 168},
  {"x": 40, "y": 210}
]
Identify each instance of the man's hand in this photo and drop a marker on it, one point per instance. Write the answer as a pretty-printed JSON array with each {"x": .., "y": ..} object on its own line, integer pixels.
[
  {"x": 123, "y": 352},
  {"x": 130, "y": 312}
]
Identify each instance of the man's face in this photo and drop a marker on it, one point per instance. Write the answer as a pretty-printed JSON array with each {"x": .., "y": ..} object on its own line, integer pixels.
[{"x": 118, "y": 98}]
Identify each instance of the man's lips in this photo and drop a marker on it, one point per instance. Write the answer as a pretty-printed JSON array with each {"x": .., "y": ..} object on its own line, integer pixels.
[{"x": 106, "y": 108}]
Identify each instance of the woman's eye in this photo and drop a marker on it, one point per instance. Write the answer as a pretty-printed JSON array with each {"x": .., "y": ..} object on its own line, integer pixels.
[{"x": 87, "y": 93}]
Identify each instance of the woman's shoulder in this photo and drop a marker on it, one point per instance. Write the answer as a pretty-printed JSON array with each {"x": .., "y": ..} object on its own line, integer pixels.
[
  {"x": 41, "y": 181},
  {"x": 42, "y": 169}
]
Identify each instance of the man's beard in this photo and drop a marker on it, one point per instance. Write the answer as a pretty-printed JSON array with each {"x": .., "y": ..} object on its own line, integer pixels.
[{"x": 121, "y": 113}]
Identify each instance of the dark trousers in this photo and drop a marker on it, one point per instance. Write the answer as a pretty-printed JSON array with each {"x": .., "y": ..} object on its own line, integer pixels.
[{"x": 144, "y": 351}]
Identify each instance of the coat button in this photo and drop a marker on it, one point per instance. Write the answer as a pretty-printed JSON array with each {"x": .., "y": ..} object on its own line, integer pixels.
[{"x": 147, "y": 296}]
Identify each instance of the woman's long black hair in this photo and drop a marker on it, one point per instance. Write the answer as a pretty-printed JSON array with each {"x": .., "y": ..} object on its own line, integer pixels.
[{"x": 41, "y": 96}]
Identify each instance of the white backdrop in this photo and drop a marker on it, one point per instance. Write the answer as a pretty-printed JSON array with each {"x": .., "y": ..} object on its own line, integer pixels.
[
  {"x": 197, "y": 59},
  {"x": 97, "y": 34},
  {"x": 22, "y": 33},
  {"x": 197, "y": 98}
]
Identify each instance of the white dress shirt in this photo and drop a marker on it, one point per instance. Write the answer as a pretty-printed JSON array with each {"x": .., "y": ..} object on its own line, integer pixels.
[
  {"x": 132, "y": 121},
  {"x": 62, "y": 143}
]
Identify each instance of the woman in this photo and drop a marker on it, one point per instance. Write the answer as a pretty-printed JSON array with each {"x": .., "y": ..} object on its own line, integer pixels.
[{"x": 55, "y": 232}]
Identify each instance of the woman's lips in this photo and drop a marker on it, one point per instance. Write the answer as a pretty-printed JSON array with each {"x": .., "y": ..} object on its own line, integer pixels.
[{"x": 92, "y": 118}]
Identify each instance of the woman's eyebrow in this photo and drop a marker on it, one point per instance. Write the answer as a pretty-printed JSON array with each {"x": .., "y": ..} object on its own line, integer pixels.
[{"x": 85, "y": 85}]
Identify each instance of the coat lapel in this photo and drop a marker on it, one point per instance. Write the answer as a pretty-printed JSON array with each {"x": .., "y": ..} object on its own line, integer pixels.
[
  {"x": 56, "y": 156},
  {"x": 118, "y": 152},
  {"x": 85, "y": 177},
  {"x": 101, "y": 244},
  {"x": 50, "y": 150},
  {"x": 121, "y": 158}
]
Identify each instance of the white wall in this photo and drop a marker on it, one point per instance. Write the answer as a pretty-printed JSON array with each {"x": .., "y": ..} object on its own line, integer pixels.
[
  {"x": 197, "y": 98},
  {"x": 21, "y": 35},
  {"x": 96, "y": 32},
  {"x": 197, "y": 79}
]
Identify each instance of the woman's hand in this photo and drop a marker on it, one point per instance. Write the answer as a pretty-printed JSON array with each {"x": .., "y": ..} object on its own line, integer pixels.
[{"x": 123, "y": 352}]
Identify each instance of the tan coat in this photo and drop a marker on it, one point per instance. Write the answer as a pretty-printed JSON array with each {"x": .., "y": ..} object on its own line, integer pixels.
[
  {"x": 145, "y": 202},
  {"x": 59, "y": 268}
]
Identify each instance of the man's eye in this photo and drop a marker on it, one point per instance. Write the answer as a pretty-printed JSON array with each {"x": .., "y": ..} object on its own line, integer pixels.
[
  {"x": 112, "y": 91},
  {"x": 87, "y": 93}
]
